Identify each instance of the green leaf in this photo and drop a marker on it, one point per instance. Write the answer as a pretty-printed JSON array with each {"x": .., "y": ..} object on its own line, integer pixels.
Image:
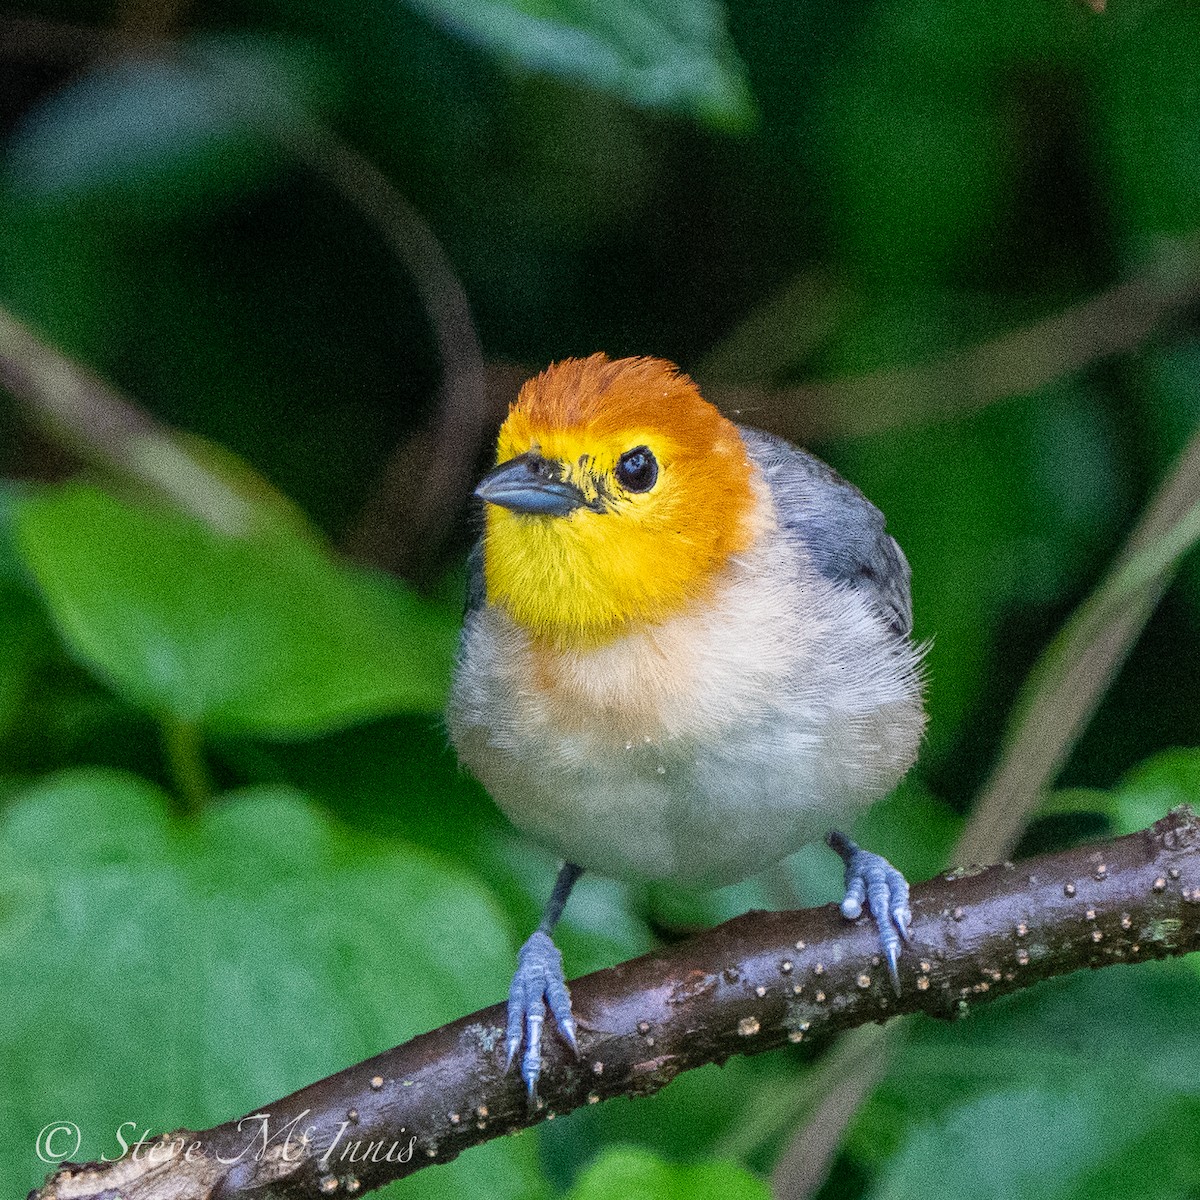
[
  {"x": 30, "y": 703},
  {"x": 1081, "y": 1088},
  {"x": 206, "y": 969},
  {"x": 22, "y": 643},
  {"x": 18, "y": 624},
  {"x": 164, "y": 131},
  {"x": 264, "y": 634},
  {"x": 626, "y": 1171},
  {"x": 1155, "y": 787},
  {"x": 1145, "y": 795},
  {"x": 674, "y": 55},
  {"x": 1056, "y": 1142}
]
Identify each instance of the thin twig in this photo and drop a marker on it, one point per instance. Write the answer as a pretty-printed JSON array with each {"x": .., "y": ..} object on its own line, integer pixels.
[
  {"x": 1077, "y": 669},
  {"x": 836, "y": 1089},
  {"x": 777, "y": 334},
  {"x": 1013, "y": 364},
  {"x": 94, "y": 421},
  {"x": 428, "y": 478},
  {"x": 752, "y": 984}
]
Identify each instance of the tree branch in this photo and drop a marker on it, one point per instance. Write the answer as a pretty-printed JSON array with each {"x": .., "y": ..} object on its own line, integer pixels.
[{"x": 752, "y": 984}]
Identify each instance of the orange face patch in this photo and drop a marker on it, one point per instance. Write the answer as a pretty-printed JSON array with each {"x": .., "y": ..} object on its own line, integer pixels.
[{"x": 634, "y": 556}]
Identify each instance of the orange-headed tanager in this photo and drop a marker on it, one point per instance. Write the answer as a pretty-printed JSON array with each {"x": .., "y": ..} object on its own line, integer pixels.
[{"x": 686, "y": 653}]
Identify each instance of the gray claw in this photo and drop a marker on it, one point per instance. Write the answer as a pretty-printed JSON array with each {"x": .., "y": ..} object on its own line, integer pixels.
[
  {"x": 872, "y": 878},
  {"x": 566, "y": 1026},
  {"x": 538, "y": 982},
  {"x": 892, "y": 954}
]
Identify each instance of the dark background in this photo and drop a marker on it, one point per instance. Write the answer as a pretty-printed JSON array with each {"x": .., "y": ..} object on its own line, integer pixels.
[{"x": 235, "y": 850}]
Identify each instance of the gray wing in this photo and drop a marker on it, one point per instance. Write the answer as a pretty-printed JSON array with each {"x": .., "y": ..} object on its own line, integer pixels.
[
  {"x": 476, "y": 588},
  {"x": 843, "y": 531}
]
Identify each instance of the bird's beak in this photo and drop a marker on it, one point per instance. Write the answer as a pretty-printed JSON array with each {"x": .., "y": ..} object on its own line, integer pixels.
[{"x": 531, "y": 484}]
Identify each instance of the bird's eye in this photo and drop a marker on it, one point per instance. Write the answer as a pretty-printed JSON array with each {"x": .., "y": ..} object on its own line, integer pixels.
[{"x": 637, "y": 470}]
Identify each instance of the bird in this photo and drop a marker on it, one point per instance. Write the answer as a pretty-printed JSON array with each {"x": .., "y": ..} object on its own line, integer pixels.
[{"x": 687, "y": 652}]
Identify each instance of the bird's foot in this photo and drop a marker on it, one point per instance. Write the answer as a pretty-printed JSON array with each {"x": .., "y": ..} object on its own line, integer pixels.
[
  {"x": 872, "y": 878},
  {"x": 538, "y": 983}
]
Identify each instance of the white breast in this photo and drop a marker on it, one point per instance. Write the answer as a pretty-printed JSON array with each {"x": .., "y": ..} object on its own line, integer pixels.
[{"x": 701, "y": 750}]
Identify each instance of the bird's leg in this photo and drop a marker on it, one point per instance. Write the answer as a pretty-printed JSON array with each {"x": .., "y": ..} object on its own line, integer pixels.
[
  {"x": 539, "y": 982},
  {"x": 872, "y": 878}
]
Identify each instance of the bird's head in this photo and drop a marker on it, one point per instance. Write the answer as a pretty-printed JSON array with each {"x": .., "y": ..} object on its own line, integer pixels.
[{"x": 619, "y": 495}]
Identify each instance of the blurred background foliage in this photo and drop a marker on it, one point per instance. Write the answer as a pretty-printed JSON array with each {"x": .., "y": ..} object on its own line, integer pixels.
[{"x": 235, "y": 851}]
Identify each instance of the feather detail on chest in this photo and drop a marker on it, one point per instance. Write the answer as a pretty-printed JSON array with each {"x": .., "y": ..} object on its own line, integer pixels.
[
  {"x": 684, "y": 679},
  {"x": 762, "y": 644},
  {"x": 697, "y": 750}
]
